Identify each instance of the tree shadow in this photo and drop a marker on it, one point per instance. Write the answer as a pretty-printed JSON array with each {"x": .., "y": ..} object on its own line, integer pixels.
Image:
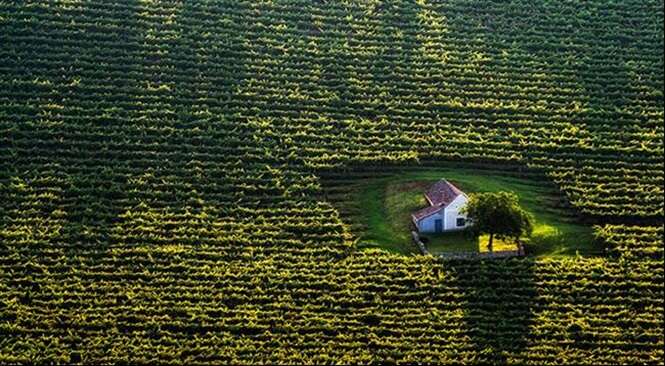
[
  {"x": 158, "y": 113},
  {"x": 499, "y": 295}
]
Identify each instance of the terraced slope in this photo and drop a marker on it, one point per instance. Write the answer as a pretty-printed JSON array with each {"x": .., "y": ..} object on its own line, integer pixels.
[{"x": 160, "y": 164}]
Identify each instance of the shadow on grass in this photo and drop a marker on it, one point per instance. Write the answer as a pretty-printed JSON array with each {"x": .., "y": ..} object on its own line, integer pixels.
[
  {"x": 499, "y": 296},
  {"x": 457, "y": 241}
]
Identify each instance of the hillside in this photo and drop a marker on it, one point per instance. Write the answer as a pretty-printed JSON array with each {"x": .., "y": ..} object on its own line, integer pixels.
[{"x": 162, "y": 166}]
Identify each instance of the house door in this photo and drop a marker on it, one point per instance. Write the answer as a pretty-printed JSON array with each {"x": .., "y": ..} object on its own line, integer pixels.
[{"x": 438, "y": 225}]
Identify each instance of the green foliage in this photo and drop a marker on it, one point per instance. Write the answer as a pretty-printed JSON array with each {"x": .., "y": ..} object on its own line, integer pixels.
[
  {"x": 498, "y": 214},
  {"x": 630, "y": 241},
  {"x": 160, "y": 165}
]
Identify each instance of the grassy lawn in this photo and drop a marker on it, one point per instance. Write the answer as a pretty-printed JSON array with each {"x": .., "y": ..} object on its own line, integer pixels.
[{"x": 387, "y": 204}]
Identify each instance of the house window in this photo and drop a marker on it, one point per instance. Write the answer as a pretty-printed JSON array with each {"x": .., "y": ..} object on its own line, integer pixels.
[{"x": 461, "y": 221}]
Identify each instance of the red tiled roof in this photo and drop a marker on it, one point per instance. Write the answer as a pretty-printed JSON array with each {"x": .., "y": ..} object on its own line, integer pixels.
[
  {"x": 442, "y": 193},
  {"x": 424, "y": 212}
]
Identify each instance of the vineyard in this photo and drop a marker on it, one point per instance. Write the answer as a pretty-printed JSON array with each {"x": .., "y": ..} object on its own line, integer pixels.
[{"x": 163, "y": 167}]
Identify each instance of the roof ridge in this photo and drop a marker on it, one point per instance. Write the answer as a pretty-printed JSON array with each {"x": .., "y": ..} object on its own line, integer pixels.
[{"x": 442, "y": 193}]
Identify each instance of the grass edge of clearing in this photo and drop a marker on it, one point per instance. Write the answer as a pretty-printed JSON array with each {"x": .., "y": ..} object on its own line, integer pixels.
[{"x": 575, "y": 239}]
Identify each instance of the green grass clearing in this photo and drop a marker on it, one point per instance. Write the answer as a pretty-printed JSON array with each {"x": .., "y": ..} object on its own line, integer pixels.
[{"x": 386, "y": 204}]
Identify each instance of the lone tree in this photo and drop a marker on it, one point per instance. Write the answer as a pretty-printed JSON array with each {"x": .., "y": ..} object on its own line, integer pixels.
[{"x": 498, "y": 214}]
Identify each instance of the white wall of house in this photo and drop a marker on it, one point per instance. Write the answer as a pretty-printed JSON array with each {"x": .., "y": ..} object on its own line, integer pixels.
[
  {"x": 453, "y": 213},
  {"x": 448, "y": 215},
  {"x": 427, "y": 224}
]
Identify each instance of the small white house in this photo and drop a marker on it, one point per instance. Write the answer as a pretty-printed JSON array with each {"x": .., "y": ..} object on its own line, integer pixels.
[{"x": 443, "y": 214}]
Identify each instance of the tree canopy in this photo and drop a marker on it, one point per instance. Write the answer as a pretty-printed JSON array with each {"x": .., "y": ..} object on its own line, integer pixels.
[{"x": 499, "y": 215}]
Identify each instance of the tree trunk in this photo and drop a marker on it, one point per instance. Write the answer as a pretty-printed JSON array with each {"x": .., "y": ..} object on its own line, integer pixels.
[{"x": 489, "y": 244}]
